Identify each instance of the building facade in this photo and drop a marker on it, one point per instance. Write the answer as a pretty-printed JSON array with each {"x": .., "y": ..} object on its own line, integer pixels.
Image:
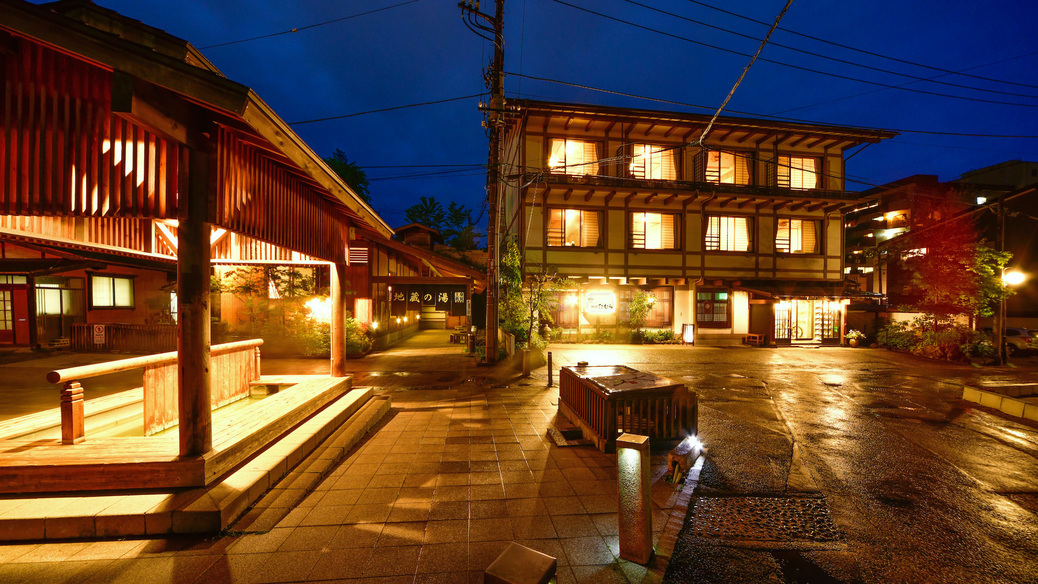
[{"x": 743, "y": 235}]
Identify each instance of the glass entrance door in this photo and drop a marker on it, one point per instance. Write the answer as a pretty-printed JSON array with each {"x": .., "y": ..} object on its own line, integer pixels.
[{"x": 803, "y": 320}]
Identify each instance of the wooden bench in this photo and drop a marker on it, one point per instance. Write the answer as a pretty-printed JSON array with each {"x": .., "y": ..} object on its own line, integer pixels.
[{"x": 755, "y": 339}]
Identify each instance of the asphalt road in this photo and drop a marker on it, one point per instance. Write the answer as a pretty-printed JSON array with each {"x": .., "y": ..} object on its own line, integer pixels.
[{"x": 862, "y": 465}]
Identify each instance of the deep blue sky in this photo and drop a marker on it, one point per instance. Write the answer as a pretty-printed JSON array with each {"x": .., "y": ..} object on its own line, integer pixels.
[{"x": 423, "y": 52}]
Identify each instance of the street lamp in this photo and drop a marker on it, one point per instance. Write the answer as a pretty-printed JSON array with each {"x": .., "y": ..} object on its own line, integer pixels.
[{"x": 1009, "y": 278}]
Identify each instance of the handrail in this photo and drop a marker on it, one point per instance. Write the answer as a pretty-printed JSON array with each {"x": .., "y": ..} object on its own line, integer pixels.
[{"x": 88, "y": 371}]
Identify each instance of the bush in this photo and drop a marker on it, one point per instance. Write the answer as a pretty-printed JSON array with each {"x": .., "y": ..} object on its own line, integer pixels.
[
  {"x": 658, "y": 336},
  {"x": 949, "y": 343}
]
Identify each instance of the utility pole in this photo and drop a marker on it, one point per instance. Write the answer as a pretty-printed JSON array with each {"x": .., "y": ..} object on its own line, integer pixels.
[{"x": 495, "y": 79}]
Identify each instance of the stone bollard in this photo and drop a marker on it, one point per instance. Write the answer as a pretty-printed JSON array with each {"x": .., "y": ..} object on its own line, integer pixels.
[
  {"x": 72, "y": 428},
  {"x": 635, "y": 485}
]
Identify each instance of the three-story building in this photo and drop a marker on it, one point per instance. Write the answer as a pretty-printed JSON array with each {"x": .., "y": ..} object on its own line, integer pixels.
[{"x": 743, "y": 234}]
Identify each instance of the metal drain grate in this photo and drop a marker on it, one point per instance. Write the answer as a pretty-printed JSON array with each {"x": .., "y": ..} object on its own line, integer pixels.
[{"x": 764, "y": 519}]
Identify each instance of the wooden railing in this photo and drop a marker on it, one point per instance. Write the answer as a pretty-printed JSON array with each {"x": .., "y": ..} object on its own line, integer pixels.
[
  {"x": 129, "y": 338},
  {"x": 233, "y": 366},
  {"x": 664, "y": 413}
]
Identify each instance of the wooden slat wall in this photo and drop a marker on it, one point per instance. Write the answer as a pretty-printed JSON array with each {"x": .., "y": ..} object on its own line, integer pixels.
[
  {"x": 63, "y": 152},
  {"x": 262, "y": 199}
]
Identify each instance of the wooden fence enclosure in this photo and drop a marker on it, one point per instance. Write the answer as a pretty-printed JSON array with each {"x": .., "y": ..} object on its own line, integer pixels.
[
  {"x": 606, "y": 401},
  {"x": 124, "y": 338}
]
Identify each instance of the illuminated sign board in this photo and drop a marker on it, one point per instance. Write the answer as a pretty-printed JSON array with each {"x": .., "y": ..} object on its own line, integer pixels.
[{"x": 600, "y": 302}]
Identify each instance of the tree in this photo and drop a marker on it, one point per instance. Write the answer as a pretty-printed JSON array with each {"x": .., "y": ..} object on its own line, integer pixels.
[
  {"x": 455, "y": 224},
  {"x": 350, "y": 173},
  {"x": 459, "y": 231},
  {"x": 638, "y": 309},
  {"x": 523, "y": 308},
  {"x": 952, "y": 273},
  {"x": 427, "y": 211}
]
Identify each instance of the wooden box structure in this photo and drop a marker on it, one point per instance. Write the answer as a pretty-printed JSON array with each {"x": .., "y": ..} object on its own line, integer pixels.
[{"x": 608, "y": 400}]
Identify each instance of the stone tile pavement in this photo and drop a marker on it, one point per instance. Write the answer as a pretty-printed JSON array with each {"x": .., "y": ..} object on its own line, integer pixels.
[{"x": 434, "y": 494}]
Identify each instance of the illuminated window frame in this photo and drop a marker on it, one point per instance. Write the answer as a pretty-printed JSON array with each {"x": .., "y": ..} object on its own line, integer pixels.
[
  {"x": 729, "y": 233},
  {"x": 573, "y": 157},
  {"x": 728, "y": 167},
  {"x": 656, "y": 231},
  {"x": 109, "y": 291},
  {"x": 574, "y": 228},
  {"x": 797, "y": 236},
  {"x": 652, "y": 162},
  {"x": 799, "y": 172}
]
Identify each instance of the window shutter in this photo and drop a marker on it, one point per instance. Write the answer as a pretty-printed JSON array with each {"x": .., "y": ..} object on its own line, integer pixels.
[
  {"x": 668, "y": 232},
  {"x": 742, "y": 168},
  {"x": 590, "y": 159},
  {"x": 590, "y": 229},
  {"x": 809, "y": 236},
  {"x": 668, "y": 171}
]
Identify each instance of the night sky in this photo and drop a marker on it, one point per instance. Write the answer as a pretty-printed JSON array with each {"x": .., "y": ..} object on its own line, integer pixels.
[{"x": 420, "y": 51}]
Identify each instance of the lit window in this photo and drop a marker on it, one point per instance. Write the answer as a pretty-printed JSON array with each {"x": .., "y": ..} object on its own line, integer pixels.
[
  {"x": 652, "y": 162},
  {"x": 796, "y": 236},
  {"x": 798, "y": 172},
  {"x": 728, "y": 168},
  {"x": 573, "y": 228},
  {"x": 654, "y": 231},
  {"x": 712, "y": 309},
  {"x": 729, "y": 234},
  {"x": 573, "y": 156},
  {"x": 111, "y": 291}
]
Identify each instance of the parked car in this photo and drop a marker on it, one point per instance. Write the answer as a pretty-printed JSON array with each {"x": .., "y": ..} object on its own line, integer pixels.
[{"x": 1018, "y": 340}]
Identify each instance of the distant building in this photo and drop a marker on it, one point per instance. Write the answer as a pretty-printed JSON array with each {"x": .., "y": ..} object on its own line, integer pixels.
[{"x": 742, "y": 236}]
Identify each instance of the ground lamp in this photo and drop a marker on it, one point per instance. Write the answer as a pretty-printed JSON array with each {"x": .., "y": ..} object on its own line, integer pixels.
[{"x": 635, "y": 518}]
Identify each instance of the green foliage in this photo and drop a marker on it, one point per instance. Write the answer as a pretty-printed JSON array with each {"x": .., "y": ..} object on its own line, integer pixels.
[
  {"x": 639, "y": 307},
  {"x": 454, "y": 224},
  {"x": 920, "y": 337},
  {"x": 657, "y": 336},
  {"x": 350, "y": 173},
  {"x": 952, "y": 273},
  {"x": 527, "y": 303},
  {"x": 427, "y": 211}
]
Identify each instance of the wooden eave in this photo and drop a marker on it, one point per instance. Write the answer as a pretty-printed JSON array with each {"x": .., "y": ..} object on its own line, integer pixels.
[
  {"x": 98, "y": 251},
  {"x": 602, "y": 190},
  {"x": 203, "y": 87},
  {"x": 417, "y": 255},
  {"x": 736, "y": 128}
]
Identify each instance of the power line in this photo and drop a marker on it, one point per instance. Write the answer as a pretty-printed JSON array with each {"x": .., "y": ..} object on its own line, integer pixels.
[
  {"x": 830, "y": 57},
  {"x": 792, "y": 66},
  {"x": 326, "y": 22},
  {"x": 745, "y": 70},
  {"x": 386, "y": 109},
  {"x": 871, "y": 91},
  {"x": 759, "y": 115},
  {"x": 874, "y": 54}
]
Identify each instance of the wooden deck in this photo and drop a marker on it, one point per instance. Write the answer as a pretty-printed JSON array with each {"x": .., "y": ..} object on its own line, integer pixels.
[{"x": 153, "y": 462}]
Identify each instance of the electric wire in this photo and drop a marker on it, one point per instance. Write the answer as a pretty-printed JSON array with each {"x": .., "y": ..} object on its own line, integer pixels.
[
  {"x": 768, "y": 116},
  {"x": 832, "y": 58},
  {"x": 385, "y": 109},
  {"x": 745, "y": 70},
  {"x": 792, "y": 66},
  {"x": 874, "y": 54},
  {"x": 297, "y": 29}
]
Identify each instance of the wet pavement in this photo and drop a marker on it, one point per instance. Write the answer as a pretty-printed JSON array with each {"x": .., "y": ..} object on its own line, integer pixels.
[
  {"x": 823, "y": 465},
  {"x": 922, "y": 486}
]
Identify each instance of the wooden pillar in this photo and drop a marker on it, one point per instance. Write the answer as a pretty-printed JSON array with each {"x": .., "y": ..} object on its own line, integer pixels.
[
  {"x": 193, "y": 358},
  {"x": 338, "y": 348},
  {"x": 72, "y": 431}
]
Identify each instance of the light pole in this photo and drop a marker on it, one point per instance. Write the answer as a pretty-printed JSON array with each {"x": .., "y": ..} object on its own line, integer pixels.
[{"x": 1009, "y": 278}]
